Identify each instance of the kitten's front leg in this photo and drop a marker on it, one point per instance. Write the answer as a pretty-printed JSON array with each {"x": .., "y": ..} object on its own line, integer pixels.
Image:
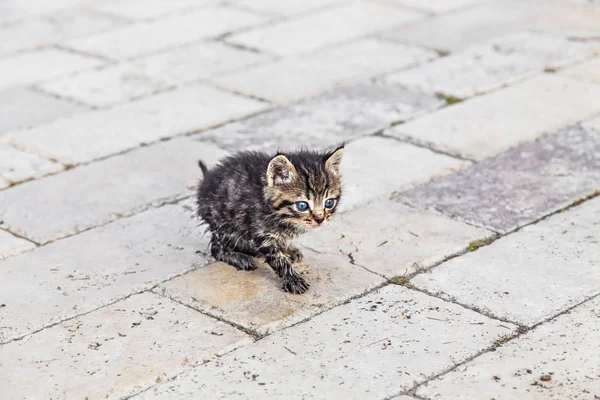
[
  {"x": 294, "y": 254},
  {"x": 282, "y": 264}
]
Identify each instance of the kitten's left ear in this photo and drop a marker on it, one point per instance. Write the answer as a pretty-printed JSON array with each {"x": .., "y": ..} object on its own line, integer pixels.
[
  {"x": 280, "y": 171},
  {"x": 334, "y": 160}
]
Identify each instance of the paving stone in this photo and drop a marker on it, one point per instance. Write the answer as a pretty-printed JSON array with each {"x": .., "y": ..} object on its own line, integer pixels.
[
  {"x": 326, "y": 120},
  {"x": 24, "y": 69},
  {"x": 107, "y": 86},
  {"x": 323, "y": 70},
  {"x": 11, "y": 245},
  {"x": 519, "y": 186},
  {"x": 12, "y": 10},
  {"x": 115, "y": 351},
  {"x": 365, "y": 349},
  {"x": 593, "y": 124},
  {"x": 333, "y": 25},
  {"x": 531, "y": 275},
  {"x": 76, "y": 275},
  {"x": 557, "y": 360},
  {"x": 146, "y": 9},
  {"x": 101, "y": 192},
  {"x": 576, "y": 21},
  {"x": 85, "y": 137},
  {"x": 588, "y": 71},
  {"x": 486, "y": 125},
  {"x": 255, "y": 299},
  {"x": 148, "y": 37},
  {"x": 436, "y": 6},
  {"x": 400, "y": 240},
  {"x": 23, "y": 108},
  {"x": 481, "y": 68},
  {"x": 17, "y": 166},
  {"x": 287, "y": 8}
]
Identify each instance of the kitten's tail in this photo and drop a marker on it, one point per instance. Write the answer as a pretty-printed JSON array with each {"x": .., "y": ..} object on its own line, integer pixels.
[{"x": 202, "y": 167}]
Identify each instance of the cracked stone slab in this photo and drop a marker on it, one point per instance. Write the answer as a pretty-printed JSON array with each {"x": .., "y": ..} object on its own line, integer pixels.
[
  {"x": 101, "y": 192},
  {"x": 588, "y": 71},
  {"x": 115, "y": 351},
  {"x": 255, "y": 299},
  {"x": 17, "y": 166},
  {"x": 323, "y": 70},
  {"x": 400, "y": 240},
  {"x": 491, "y": 65},
  {"x": 308, "y": 33},
  {"x": 89, "y": 136},
  {"x": 326, "y": 120},
  {"x": 76, "y": 275},
  {"x": 147, "y": 9},
  {"x": 364, "y": 349},
  {"x": 531, "y": 275},
  {"x": 518, "y": 186},
  {"x": 486, "y": 125},
  {"x": 11, "y": 245},
  {"x": 557, "y": 360}
]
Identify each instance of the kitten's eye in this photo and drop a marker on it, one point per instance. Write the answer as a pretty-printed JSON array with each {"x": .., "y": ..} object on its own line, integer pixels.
[
  {"x": 302, "y": 205},
  {"x": 329, "y": 203}
]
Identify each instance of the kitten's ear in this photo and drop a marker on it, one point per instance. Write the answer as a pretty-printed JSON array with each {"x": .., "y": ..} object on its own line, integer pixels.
[
  {"x": 280, "y": 171},
  {"x": 334, "y": 160}
]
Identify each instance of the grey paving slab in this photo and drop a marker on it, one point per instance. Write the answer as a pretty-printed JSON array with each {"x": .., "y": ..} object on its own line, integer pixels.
[
  {"x": 97, "y": 193},
  {"x": 557, "y": 360},
  {"x": 79, "y": 274},
  {"x": 17, "y": 166},
  {"x": 531, "y": 275},
  {"x": 592, "y": 123},
  {"x": 519, "y": 186},
  {"x": 148, "y": 37},
  {"x": 16, "y": 10},
  {"x": 307, "y": 33},
  {"x": 575, "y": 20},
  {"x": 147, "y": 9},
  {"x": 374, "y": 347},
  {"x": 11, "y": 245},
  {"x": 436, "y": 6},
  {"x": 486, "y": 125},
  {"x": 400, "y": 240},
  {"x": 88, "y": 136},
  {"x": 115, "y": 351},
  {"x": 588, "y": 71},
  {"x": 323, "y": 70},
  {"x": 326, "y": 120},
  {"x": 287, "y": 8},
  {"x": 255, "y": 299},
  {"x": 24, "y": 108}
]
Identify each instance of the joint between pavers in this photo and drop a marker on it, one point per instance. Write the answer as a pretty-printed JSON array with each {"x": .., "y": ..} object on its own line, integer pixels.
[
  {"x": 85, "y": 54},
  {"x": 423, "y": 145},
  {"x": 5, "y": 229}
]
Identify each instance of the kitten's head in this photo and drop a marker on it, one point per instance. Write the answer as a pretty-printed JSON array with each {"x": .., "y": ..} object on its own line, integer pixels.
[{"x": 305, "y": 187}]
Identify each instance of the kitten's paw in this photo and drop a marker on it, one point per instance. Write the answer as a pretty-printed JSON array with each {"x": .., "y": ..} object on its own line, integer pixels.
[
  {"x": 295, "y": 255},
  {"x": 295, "y": 285},
  {"x": 242, "y": 262}
]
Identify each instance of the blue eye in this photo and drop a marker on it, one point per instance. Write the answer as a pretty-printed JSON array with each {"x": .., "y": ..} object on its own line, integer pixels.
[
  {"x": 302, "y": 205},
  {"x": 329, "y": 203}
]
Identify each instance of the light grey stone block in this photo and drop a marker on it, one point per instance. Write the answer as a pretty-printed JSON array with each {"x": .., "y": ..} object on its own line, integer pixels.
[
  {"x": 11, "y": 245},
  {"x": 588, "y": 71},
  {"x": 17, "y": 166}
]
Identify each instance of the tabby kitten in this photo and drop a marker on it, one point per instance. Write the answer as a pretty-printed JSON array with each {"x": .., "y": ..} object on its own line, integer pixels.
[{"x": 256, "y": 204}]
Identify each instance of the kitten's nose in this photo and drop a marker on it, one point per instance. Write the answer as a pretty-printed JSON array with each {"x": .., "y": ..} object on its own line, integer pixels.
[{"x": 319, "y": 219}]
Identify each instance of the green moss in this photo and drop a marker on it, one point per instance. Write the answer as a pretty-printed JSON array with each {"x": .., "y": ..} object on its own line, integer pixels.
[
  {"x": 451, "y": 99},
  {"x": 402, "y": 281},
  {"x": 474, "y": 245}
]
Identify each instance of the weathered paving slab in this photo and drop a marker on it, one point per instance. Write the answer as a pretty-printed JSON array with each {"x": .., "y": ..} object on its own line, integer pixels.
[
  {"x": 531, "y": 275},
  {"x": 593, "y": 124},
  {"x": 486, "y": 125},
  {"x": 255, "y": 299},
  {"x": 519, "y": 186},
  {"x": 501, "y": 61},
  {"x": 17, "y": 166},
  {"x": 97, "y": 193},
  {"x": 286, "y": 8},
  {"x": 24, "y": 68},
  {"x": 88, "y": 136},
  {"x": 148, "y": 37},
  {"x": 307, "y": 33},
  {"x": 103, "y": 265},
  {"x": 16, "y": 10},
  {"x": 147, "y": 9},
  {"x": 326, "y": 120},
  {"x": 323, "y": 70},
  {"x": 11, "y": 245},
  {"x": 436, "y": 6},
  {"x": 374, "y": 347},
  {"x": 557, "y": 360},
  {"x": 115, "y": 351},
  {"x": 400, "y": 240},
  {"x": 588, "y": 71}
]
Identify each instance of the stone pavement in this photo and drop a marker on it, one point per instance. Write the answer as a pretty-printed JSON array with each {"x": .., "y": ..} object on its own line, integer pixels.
[{"x": 465, "y": 263}]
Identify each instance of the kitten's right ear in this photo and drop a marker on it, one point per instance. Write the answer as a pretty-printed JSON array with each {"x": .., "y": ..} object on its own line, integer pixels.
[{"x": 280, "y": 171}]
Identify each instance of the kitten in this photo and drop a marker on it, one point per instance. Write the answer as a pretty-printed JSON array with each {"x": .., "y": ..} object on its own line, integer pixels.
[{"x": 256, "y": 204}]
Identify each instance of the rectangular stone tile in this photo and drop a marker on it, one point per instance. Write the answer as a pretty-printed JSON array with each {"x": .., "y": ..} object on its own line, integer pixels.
[
  {"x": 436, "y": 6},
  {"x": 305, "y": 34},
  {"x": 519, "y": 186},
  {"x": 16, "y": 10},
  {"x": 365, "y": 349},
  {"x": 101, "y": 192},
  {"x": 146, "y": 9},
  {"x": 115, "y": 351},
  {"x": 11, "y": 245},
  {"x": 588, "y": 71},
  {"x": 592, "y": 124},
  {"x": 576, "y": 21},
  {"x": 323, "y": 70},
  {"x": 255, "y": 299},
  {"x": 531, "y": 275},
  {"x": 24, "y": 108},
  {"x": 486, "y": 125},
  {"x": 76, "y": 275},
  {"x": 148, "y": 37},
  {"x": 107, "y": 86},
  {"x": 286, "y": 8},
  {"x": 399, "y": 240},
  {"x": 85, "y": 137},
  {"x": 557, "y": 360},
  {"x": 24, "y": 69},
  {"x": 17, "y": 166},
  {"x": 325, "y": 120},
  {"x": 499, "y": 62}
]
